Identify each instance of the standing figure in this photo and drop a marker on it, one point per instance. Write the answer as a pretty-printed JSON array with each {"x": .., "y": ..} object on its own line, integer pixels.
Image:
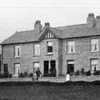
[{"x": 38, "y": 73}]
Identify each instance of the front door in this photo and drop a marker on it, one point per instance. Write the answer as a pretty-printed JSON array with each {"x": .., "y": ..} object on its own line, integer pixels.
[
  {"x": 53, "y": 68},
  {"x": 5, "y": 68},
  {"x": 46, "y": 68},
  {"x": 50, "y": 68},
  {"x": 70, "y": 67},
  {"x": 17, "y": 69}
]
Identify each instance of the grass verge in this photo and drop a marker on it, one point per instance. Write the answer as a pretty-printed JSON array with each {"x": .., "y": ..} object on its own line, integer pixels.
[{"x": 50, "y": 91}]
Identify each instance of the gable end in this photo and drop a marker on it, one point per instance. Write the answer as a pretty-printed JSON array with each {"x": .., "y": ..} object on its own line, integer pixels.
[{"x": 47, "y": 34}]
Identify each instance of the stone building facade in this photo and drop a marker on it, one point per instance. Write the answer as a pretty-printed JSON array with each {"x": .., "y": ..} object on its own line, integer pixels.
[{"x": 55, "y": 51}]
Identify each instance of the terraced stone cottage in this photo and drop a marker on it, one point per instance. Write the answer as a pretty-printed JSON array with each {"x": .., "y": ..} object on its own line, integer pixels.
[{"x": 53, "y": 50}]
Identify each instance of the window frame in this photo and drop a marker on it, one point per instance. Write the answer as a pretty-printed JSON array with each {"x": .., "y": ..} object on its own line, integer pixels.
[
  {"x": 92, "y": 65},
  {"x": 49, "y": 46},
  {"x": 35, "y": 68},
  {"x": 92, "y": 45},
  {"x": 17, "y": 51},
  {"x": 70, "y": 46},
  {"x": 35, "y": 49}
]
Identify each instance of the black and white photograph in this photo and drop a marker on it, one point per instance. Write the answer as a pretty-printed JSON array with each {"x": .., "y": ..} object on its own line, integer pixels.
[{"x": 49, "y": 50}]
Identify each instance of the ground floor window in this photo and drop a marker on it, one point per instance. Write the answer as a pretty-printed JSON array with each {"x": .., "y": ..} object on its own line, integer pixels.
[
  {"x": 50, "y": 68},
  {"x": 94, "y": 65},
  {"x": 70, "y": 66},
  {"x": 36, "y": 65},
  {"x": 16, "y": 69}
]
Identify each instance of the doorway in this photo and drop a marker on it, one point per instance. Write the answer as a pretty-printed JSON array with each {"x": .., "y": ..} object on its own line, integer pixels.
[
  {"x": 50, "y": 68},
  {"x": 17, "y": 69},
  {"x": 5, "y": 70},
  {"x": 36, "y": 66},
  {"x": 46, "y": 68},
  {"x": 53, "y": 68},
  {"x": 70, "y": 67}
]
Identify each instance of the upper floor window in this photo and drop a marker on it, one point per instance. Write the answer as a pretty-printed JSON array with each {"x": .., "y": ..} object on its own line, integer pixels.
[
  {"x": 49, "y": 47},
  {"x": 36, "y": 49},
  {"x": 17, "y": 51},
  {"x": 71, "y": 46},
  {"x": 94, "y": 45}
]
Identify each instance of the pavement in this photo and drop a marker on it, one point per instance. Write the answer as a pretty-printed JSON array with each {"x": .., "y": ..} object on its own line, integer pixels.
[{"x": 54, "y": 79}]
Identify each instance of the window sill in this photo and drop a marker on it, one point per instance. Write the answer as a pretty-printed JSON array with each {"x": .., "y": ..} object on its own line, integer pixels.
[
  {"x": 70, "y": 53},
  {"x": 17, "y": 57},
  {"x": 94, "y": 51},
  {"x": 36, "y": 55},
  {"x": 49, "y": 54}
]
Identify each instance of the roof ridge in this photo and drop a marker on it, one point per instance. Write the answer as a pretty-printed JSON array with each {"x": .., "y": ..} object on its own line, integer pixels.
[
  {"x": 71, "y": 25},
  {"x": 57, "y": 29},
  {"x": 23, "y": 31}
]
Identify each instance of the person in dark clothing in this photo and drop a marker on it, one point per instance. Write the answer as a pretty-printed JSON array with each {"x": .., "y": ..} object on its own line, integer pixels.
[{"x": 38, "y": 73}]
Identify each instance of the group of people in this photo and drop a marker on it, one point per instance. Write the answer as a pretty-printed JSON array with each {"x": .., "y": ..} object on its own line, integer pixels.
[{"x": 38, "y": 73}]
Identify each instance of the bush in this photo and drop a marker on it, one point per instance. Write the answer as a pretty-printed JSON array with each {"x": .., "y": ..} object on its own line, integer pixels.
[
  {"x": 6, "y": 75},
  {"x": 1, "y": 75},
  {"x": 82, "y": 71},
  {"x": 31, "y": 74},
  {"x": 25, "y": 74},
  {"x": 96, "y": 72},
  {"x": 88, "y": 73},
  {"x": 77, "y": 73},
  {"x": 21, "y": 75},
  {"x": 10, "y": 75}
]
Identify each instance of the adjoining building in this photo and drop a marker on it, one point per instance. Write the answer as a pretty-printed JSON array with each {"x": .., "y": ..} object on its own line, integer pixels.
[
  {"x": 0, "y": 62},
  {"x": 53, "y": 50}
]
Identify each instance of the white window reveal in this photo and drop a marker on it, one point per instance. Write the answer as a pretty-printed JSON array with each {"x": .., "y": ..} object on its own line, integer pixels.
[
  {"x": 94, "y": 65},
  {"x": 49, "y": 47},
  {"x": 17, "y": 51},
  {"x": 16, "y": 69},
  {"x": 94, "y": 45},
  {"x": 71, "y": 46},
  {"x": 36, "y": 49}
]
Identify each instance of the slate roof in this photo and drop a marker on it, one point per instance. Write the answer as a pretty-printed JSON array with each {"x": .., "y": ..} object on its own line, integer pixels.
[
  {"x": 58, "y": 33},
  {"x": 21, "y": 37},
  {"x": 79, "y": 31},
  {"x": 72, "y": 31}
]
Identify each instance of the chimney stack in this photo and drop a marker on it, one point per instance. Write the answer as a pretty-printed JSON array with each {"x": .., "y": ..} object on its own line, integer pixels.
[
  {"x": 38, "y": 26},
  {"x": 98, "y": 21},
  {"x": 47, "y": 25},
  {"x": 91, "y": 20}
]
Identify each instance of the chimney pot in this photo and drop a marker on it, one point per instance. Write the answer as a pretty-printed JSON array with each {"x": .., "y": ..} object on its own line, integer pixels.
[
  {"x": 98, "y": 17},
  {"x": 47, "y": 24},
  {"x": 98, "y": 21},
  {"x": 91, "y": 22},
  {"x": 91, "y": 15}
]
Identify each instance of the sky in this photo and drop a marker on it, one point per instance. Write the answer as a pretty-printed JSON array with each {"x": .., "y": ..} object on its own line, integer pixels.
[{"x": 20, "y": 15}]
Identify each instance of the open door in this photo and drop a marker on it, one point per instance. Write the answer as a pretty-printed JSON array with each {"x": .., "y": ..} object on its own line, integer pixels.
[
  {"x": 70, "y": 67},
  {"x": 17, "y": 69},
  {"x": 46, "y": 68}
]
